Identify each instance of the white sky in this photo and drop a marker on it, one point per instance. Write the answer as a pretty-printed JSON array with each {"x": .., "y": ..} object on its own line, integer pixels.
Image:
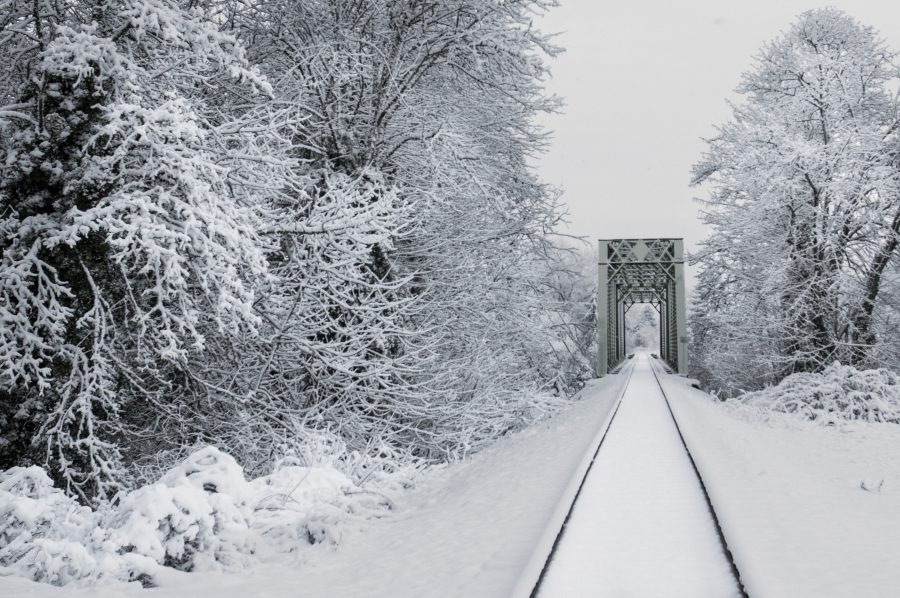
[{"x": 643, "y": 82}]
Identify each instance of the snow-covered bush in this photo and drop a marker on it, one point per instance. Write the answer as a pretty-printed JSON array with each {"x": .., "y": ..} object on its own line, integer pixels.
[
  {"x": 303, "y": 505},
  {"x": 195, "y": 517},
  {"x": 201, "y": 515},
  {"x": 839, "y": 393},
  {"x": 44, "y": 534}
]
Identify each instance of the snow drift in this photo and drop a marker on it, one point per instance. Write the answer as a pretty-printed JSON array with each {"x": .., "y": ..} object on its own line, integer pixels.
[
  {"x": 839, "y": 393},
  {"x": 201, "y": 515}
]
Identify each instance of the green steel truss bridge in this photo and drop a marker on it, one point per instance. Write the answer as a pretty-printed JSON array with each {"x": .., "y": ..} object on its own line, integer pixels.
[{"x": 641, "y": 271}]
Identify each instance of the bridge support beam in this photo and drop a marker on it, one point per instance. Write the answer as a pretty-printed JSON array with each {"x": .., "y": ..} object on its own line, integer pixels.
[
  {"x": 680, "y": 309},
  {"x": 603, "y": 312}
]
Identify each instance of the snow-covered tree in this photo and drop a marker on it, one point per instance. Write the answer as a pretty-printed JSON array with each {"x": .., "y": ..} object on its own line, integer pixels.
[
  {"x": 336, "y": 228},
  {"x": 123, "y": 243},
  {"x": 803, "y": 206},
  {"x": 435, "y": 99}
]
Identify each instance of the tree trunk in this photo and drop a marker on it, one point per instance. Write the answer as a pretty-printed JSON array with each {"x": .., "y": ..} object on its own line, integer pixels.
[{"x": 862, "y": 336}]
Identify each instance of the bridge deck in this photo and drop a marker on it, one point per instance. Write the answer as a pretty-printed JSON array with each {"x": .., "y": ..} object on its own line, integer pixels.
[{"x": 641, "y": 525}]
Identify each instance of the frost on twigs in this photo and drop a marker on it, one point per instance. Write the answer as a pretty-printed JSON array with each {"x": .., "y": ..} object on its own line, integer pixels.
[
  {"x": 123, "y": 245},
  {"x": 839, "y": 393},
  {"x": 201, "y": 515}
]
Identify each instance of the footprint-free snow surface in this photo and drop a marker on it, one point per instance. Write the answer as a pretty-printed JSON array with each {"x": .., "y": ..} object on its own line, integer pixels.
[
  {"x": 808, "y": 510},
  {"x": 480, "y": 528},
  {"x": 641, "y": 525}
]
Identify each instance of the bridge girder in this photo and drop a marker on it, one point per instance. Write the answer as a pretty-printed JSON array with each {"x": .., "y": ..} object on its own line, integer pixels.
[{"x": 641, "y": 271}]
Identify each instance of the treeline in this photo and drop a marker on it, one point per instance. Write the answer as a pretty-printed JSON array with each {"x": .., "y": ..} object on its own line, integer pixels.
[
  {"x": 800, "y": 268},
  {"x": 235, "y": 222}
]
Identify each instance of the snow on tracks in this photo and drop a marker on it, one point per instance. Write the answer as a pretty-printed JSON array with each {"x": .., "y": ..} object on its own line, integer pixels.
[
  {"x": 789, "y": 498},
  {"x": 641, "y": 526}
]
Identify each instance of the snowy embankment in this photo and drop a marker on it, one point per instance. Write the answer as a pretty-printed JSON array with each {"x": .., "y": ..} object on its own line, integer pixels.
[
  {"x": 808, "y": 509},
  {"x": 202, "y": 515},
  {"x": 475, "y": 528}
]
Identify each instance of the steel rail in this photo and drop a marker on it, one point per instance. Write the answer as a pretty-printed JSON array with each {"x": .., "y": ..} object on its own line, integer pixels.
[
  {"x": 735, "y": 572},
  {"x": 587, "y": 472}
]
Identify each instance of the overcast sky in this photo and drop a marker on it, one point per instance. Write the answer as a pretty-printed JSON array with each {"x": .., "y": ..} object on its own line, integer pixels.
[{"x": 643, "y": 82}]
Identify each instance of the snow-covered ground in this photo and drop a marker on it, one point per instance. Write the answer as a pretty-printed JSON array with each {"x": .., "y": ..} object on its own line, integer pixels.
[
  {"x": 789, "y": 496},
  {"x": 808, "y": 511},
  {"x": 480, "y": 528},
  {"x": 640, "y": 526}
]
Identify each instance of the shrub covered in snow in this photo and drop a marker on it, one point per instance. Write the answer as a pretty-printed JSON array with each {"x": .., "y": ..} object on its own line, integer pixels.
[
  {"x": 201, "y": 515},
  {"x": 43, "y": 532},
  {"x": 297, "y": 505},
  {"x": 196, "y": 516},
  {"x": 839, "y": 393}
]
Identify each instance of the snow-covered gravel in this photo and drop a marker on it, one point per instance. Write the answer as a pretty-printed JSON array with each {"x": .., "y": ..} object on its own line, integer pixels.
[
  {"x": 641, "y": 526},
  {"x": 469, "y": 530},
  {"x": 789, "y": 497}
]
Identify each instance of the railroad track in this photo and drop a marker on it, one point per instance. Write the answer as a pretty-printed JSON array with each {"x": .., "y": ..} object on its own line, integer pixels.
[{"x": 628, "y": 370}]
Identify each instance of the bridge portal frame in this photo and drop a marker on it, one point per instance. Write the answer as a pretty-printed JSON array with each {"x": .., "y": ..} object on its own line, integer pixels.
[{"x": 634, "y": 271}]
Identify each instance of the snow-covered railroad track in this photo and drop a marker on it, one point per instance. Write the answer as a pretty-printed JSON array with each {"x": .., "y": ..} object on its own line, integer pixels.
[
  {"x": 641, "y": 523},
  {"x": 711, "y": 509}
]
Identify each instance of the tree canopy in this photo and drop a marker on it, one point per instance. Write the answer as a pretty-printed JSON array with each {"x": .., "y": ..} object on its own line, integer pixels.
[{"x": 803, "y": 208}]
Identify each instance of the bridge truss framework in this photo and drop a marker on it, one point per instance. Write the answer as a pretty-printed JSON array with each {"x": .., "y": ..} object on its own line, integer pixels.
[{"x": 641, "y": 271}]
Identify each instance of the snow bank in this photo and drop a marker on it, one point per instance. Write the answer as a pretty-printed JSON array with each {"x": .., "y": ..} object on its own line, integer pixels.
[
  {"x": 840, "y": 393},
  {"x": 469, "y": 529},
  {"x": 201, "y": 515},
  {"x": 807, "y": 510}
]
